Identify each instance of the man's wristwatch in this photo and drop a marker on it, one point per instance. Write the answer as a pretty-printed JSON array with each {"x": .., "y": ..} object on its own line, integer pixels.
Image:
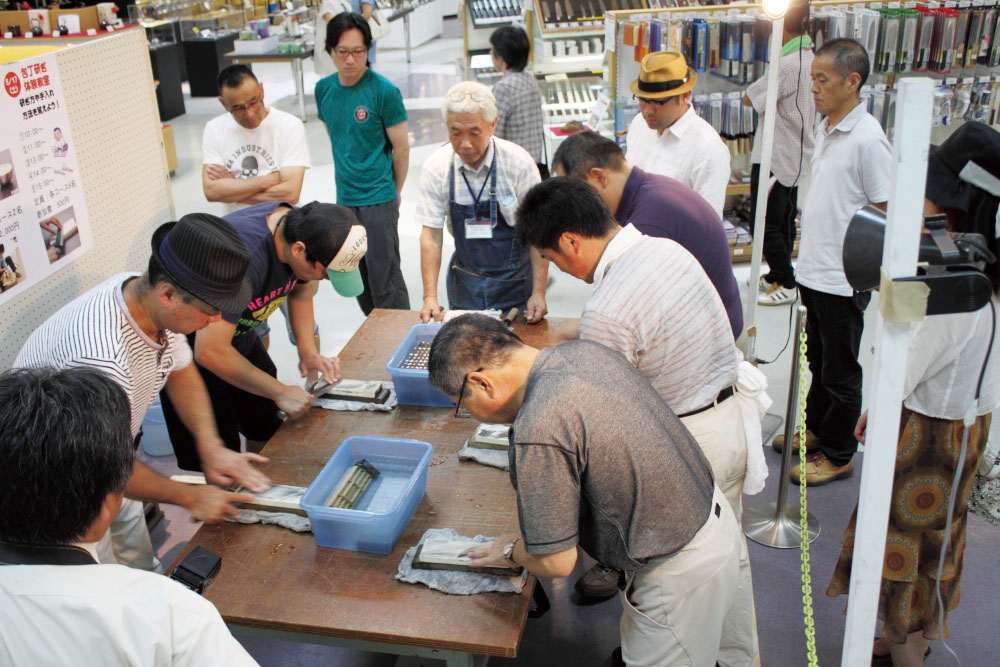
[{"x": 508, "y": 552}]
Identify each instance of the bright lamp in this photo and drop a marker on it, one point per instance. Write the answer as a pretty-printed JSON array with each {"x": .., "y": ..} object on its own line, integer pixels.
[{"x": 775, "y": 9}]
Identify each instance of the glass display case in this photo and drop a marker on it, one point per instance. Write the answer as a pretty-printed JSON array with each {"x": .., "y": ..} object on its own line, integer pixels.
[
  {"x": 161, "y": 9},
  {"x": 218, "y": 23},
  {"x": 159, "y": 33}
]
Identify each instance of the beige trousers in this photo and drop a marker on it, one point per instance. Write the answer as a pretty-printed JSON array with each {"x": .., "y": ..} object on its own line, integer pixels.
[
  {"x": 685, "y": 609},
  {"x": 719, "y": 431},
  {"x": 127, "y": 540}
]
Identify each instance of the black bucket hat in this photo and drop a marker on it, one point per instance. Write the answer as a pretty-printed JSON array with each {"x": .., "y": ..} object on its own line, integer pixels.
[{"x": 205, "y": 255}]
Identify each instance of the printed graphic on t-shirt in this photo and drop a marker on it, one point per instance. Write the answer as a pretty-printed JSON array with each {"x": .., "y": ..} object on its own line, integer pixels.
[
  {"x": 258, "y": 310},
  {"x": 250, "y": 161},
  {"x": 361, "y": 113}
]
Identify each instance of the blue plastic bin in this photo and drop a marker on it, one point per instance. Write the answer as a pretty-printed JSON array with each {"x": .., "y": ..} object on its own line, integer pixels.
[
  {"x": 413, "y": 387},
  {"x": 403, "y": 464}
]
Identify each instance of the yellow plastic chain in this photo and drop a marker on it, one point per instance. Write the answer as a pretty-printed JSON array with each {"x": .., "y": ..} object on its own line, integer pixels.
[{"x": 807, "y": 601}]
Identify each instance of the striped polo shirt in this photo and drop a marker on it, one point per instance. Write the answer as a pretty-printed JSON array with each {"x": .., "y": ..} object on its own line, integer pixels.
[
  {"x": 654, "y": 303},
  {"x": 96, "y": 331}
]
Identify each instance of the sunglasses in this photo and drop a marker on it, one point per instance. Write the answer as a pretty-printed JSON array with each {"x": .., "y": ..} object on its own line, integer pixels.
[
  {"x": 643, "y": 100},
  {"x": 461, "y": 393}
]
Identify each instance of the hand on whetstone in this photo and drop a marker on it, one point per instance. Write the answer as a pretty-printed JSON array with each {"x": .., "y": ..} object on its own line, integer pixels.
[
  {"x": 450, "y": 555},
  {"x": 276, "y": 498},
  {"x": 357, "y": 391}
]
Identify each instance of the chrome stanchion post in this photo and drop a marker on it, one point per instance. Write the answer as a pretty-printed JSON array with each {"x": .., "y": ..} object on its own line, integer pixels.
[{"x": 777, "y": 524}]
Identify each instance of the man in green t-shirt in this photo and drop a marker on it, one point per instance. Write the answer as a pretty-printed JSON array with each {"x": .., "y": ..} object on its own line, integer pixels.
[{"x": 366, "y": 121}]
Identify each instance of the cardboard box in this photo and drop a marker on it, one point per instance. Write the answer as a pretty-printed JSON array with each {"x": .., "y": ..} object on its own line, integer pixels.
[{"x": 170, "y": 148}]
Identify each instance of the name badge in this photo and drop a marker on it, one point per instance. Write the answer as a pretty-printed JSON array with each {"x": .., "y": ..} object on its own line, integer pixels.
[{"x": 476, "y": 228}]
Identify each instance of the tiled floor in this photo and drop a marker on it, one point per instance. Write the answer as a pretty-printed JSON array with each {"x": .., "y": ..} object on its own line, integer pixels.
[{"x": 571, "y": 634}]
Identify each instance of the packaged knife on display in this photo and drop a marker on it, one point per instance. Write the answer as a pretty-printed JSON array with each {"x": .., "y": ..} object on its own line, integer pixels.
[
  {"x": 713, "y": 44},
  {"x": 494, "y": 12},
  {"x": 888, "y": 41},
  {"x": 988, "y": 40},
  {"x": 910, "y": 21},
  {"x": 943, "y": 48},
  {"x": 961, "y": 32},
  {"x": 746, "y": 49},
  {"x": 925, "y": 35}
]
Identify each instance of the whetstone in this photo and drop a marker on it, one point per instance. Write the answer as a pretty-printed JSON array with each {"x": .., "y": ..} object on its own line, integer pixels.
[
  {"x": 491, "y": 436},
  {"x": 357, "y": 391},
  {"x": 277, "y": 498},
  {"x": 448, "y": 555}
]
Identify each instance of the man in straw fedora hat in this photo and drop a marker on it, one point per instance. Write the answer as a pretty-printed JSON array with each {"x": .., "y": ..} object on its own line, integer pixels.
[
  {"x": 131, "y": 329},
  {"x": 668, "y": 137}
]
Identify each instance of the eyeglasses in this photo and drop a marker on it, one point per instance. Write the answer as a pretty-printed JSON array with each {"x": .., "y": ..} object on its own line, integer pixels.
[
  {"x": 461, "y": 393},
  {"x": 357, "y": 53},
  {"x": 243, "y": 108},
  {"x": 643, "y": 100},
  {"x": 461, "y": 95}
]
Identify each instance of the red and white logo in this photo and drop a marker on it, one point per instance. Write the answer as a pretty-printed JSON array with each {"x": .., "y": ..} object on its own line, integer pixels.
[
  {"x": 12, "y": 84},
  {"x": 361, "y": 114}
]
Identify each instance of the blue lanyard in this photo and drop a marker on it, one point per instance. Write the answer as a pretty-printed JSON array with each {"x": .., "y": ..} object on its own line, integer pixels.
[{"x": 476, "y": 199}]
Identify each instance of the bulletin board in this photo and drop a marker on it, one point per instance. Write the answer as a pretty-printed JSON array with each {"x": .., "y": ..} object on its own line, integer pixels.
[{"x": 110, "y": 101}]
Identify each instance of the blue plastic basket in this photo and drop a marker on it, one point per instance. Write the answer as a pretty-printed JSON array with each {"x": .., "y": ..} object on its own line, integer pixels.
[
  {"x": 413, "y": 386},
  {"x": 373, "y": 530}
]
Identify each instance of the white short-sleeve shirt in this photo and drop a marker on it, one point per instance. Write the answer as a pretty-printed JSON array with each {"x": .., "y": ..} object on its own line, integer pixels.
[
  {"x": 278, "y": 142},
  {"x": 690, "y": 151},
  {"x": 516, "y": 174},
  {"x": 108, "y": 615},
  {"x": 851, "y": 168},
  {"x": 654, "y": 303}
]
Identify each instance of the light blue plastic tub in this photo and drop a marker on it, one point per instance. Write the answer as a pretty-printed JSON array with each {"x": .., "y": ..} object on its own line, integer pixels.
[
  {"x": 386, "y": 506},
  {"x": 413, "y": 386}
]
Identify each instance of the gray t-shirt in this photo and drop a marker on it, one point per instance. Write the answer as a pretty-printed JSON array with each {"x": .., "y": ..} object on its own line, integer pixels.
[{"x": 598, "y": 459}]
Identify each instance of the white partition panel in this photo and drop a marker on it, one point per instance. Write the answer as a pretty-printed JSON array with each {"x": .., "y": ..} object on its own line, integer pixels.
[{"x": 109, "y": 96}]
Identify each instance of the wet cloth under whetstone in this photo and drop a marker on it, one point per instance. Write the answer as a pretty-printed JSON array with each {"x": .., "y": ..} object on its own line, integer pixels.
[{"x": 456, "y": 583}]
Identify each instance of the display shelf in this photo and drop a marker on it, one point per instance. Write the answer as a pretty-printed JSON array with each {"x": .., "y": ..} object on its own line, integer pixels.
[
  {"x": 725, "y": 65},
  {"x": 492, "y": 14},
  {"x": 476, "y": 32},
  {"x": 423, "y": 20},
  {"x": 891, "y": 42}
]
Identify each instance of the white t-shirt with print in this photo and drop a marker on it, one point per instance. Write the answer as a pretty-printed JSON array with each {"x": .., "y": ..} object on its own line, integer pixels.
[{"x": 278, "y": 142}]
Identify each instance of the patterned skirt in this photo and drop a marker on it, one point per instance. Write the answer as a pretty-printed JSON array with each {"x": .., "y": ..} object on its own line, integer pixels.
[{"x": 926, "y": 460}]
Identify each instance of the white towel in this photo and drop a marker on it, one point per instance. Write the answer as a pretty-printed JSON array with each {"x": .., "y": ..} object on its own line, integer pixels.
[{"x": 753, "y": 401}]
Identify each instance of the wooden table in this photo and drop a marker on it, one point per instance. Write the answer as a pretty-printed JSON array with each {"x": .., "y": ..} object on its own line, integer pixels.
[
  {"x": 279, "y": 584},
  {"x": 274, "y": 57}
]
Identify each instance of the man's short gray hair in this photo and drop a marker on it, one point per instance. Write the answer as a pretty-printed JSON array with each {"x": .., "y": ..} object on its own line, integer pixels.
[{"x": 470, "y": 97}]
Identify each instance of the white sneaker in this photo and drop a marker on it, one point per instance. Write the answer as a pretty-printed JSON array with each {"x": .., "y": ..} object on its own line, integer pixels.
[
  {"x": 778, "y": 296},
  {"x": 762, "y": 284}
]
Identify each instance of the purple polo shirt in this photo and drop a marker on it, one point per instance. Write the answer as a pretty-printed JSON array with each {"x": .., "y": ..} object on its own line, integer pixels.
[{"x": 664, "y": 207}]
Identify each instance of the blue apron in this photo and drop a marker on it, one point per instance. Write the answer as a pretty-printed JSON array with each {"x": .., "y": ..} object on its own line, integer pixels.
[{"x": 492, "y": 273}]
